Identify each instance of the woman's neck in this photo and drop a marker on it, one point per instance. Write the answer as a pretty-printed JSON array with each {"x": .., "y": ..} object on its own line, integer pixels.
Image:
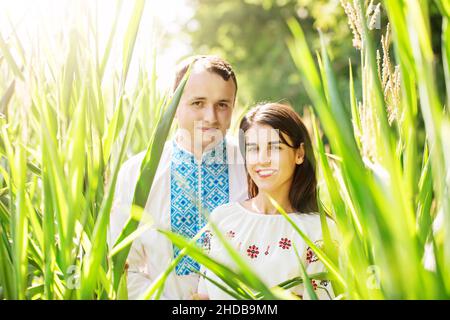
[{"x": 261, "y": 203}]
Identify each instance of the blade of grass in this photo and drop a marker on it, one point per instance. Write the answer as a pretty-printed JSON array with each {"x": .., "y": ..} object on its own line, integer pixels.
[
  {"x": 6, "y": 98},
  {"x": 307, "y": 284},
  {"x": 147, "y": 173},
  {"x": 20, "y": 227},
  {"x": 9, "y": 59}
]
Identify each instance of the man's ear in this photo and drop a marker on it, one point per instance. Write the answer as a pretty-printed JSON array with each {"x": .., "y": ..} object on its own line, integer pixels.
[{"x": 300, "y": 154}]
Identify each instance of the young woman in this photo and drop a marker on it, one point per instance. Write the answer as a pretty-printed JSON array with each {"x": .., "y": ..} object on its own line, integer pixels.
[{"x": 280, "y": 164}]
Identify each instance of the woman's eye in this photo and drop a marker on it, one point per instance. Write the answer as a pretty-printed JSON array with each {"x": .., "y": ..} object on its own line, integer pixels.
[
  {"x": 276, "y": 147},
  {"x": 251, "y": 149}
]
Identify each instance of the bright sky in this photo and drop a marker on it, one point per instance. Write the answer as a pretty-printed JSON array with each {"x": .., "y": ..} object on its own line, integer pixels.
[{"x": 32, "y": 18}]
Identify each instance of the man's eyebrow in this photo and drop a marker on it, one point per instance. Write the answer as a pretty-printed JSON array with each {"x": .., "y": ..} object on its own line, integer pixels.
[
  {"x": 204, "y": 98},
  {"x": 197, "y": 98}
]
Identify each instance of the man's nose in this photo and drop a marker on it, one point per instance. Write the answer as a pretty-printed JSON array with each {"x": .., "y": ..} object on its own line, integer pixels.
[{"x": 209, "y": 114}]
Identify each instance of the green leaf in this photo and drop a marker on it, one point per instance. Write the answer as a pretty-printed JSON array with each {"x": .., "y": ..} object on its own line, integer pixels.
[
  {"x": 6, "y": 98},
  {"x": 9, "y": 58},
  {"x": 147, "y": 173},
  {"x": 306, "y": 280},
  {"x": 130, "y": 37}
]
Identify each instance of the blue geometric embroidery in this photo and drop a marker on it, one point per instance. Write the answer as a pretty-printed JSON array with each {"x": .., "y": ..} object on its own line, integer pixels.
[{"x": 196, "y": 190}]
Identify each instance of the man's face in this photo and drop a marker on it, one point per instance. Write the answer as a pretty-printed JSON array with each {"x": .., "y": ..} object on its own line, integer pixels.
[{"x": 205, "y": 109}]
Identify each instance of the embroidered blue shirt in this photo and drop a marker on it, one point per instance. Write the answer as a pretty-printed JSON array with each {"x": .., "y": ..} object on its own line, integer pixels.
[{"x": 196, "y": 188}]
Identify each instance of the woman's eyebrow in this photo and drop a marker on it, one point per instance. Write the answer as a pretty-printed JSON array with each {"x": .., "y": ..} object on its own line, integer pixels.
[{"x": 269, "y": 143}]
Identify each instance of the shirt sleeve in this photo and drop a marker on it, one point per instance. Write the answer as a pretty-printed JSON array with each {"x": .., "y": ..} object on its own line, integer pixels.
[
  {"x": 314, "y": 265},
  {"x": 138, "y": 277},
  {"x": 209, "y": 238},
  {"x": 138, "y": 280},
  {"x": 202, "y": 289},
  {"x": 322, "y": 288}
]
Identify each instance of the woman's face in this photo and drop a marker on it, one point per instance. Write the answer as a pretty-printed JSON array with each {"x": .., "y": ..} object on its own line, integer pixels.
[{"x": 270, "y": 162}]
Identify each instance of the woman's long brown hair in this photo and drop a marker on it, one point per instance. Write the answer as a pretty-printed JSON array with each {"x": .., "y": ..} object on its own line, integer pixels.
[{"x": 303, "y": 193}]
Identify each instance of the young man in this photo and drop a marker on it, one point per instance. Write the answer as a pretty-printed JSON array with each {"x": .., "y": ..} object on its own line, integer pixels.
[{"x": 200, "y": 169}]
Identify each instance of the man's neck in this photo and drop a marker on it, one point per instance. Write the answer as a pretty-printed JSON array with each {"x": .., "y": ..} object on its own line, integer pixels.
[{"x": 196, "y": 150}]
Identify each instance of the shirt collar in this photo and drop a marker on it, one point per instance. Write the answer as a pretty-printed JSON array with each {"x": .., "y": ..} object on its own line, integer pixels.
[{"x": 217, "y": 154}]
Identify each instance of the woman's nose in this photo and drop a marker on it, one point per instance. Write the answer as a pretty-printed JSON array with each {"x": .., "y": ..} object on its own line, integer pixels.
[{"x": 264, "y": 156}]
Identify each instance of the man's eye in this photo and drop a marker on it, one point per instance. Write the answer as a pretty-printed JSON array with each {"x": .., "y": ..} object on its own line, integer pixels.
[
  {"x": 197, "y": 103},
  {"x": 223, "y": 105}
]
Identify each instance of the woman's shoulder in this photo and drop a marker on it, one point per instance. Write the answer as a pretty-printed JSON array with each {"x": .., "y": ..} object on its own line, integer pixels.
[
  {"x": 224, "y": 210},
  {"x": 313, "y": 217},
  {"x": 312, "y": 222}
]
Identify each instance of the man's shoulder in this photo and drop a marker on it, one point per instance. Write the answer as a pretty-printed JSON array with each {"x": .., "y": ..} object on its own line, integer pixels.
[{"x": 135, "y": 161}]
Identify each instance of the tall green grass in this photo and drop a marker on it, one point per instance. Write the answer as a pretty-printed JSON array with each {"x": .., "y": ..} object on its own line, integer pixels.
[
  {"x": 66, "y": 127},
  {"x": 63, "y": 138},
  {"x": 386, "y": 188}
]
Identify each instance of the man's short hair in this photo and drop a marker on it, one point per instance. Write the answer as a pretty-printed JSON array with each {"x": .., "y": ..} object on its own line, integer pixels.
[{"x": 211, "y": 63}]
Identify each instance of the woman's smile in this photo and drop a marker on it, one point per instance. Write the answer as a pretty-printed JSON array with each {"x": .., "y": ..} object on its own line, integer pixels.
[{"x": 265, "y": 172}]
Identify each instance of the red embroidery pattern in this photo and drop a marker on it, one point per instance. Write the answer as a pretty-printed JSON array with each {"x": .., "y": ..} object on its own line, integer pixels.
[
  {"x": 206, "y": 240},
  {"x": 314, "y": 284},
  {"x": 253, "y": 251},
  {"x": 267, "y": 250},
  {"x": 311, "y": 256},
  {"x": 284, "y": 243},
  {"x": 231, "y": 234}
]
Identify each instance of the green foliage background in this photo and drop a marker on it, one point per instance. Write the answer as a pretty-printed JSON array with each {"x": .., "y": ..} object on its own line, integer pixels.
[
  {"x": 252, "y": 35},
  {"x": 69, "y": 116}
]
